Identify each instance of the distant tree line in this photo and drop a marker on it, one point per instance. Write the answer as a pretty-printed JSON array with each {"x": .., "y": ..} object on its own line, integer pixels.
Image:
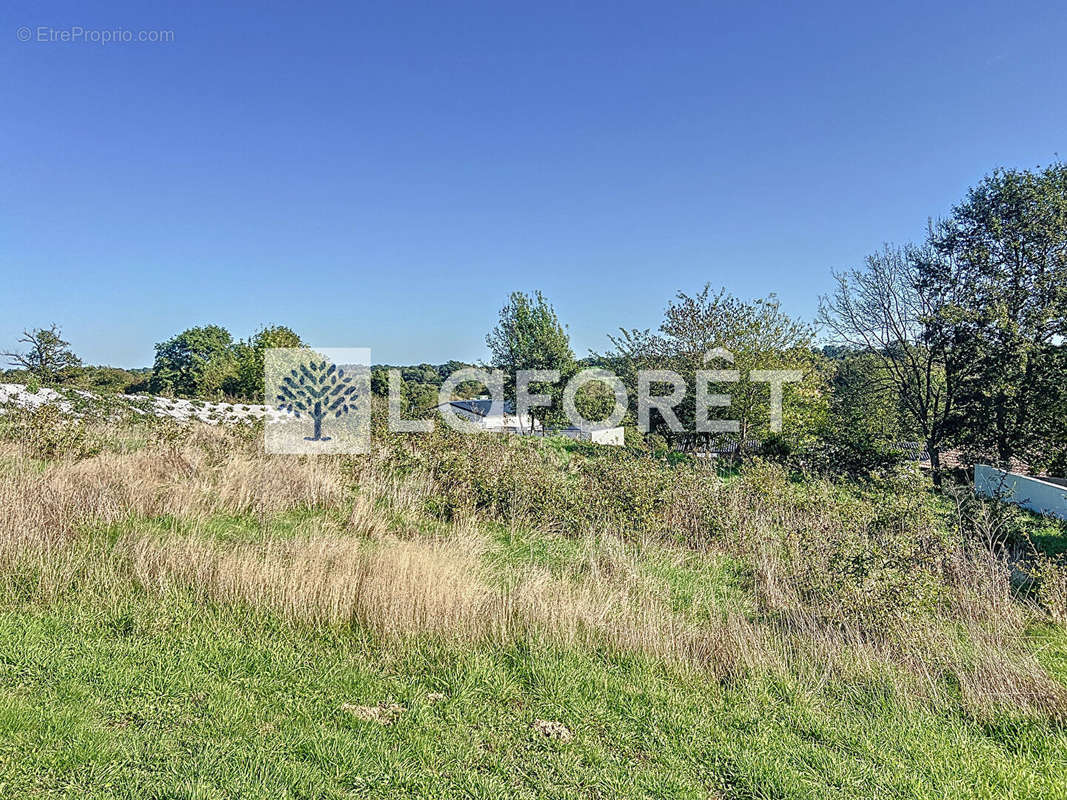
[
  {"x": 421, "y": 384},
  {"x": 956, "y": 343},
  {"x": 198, "y": 362}
]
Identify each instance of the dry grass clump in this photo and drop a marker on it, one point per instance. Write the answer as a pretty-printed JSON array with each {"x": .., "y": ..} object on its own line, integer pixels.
[
  {"x": 383, "y": 713},
  {"x": 45, "y": 510},
  {"x": 402, "y": 588},
  {"x": 44, "y": 507},
  {"x": 398, "y": 588},
  {"x": 552, "y": 730}
]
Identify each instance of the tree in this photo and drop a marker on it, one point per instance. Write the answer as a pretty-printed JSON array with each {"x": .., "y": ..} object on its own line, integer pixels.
[
  {"x": 998, "y": 266},
  {"x": 529, "y": 336},
  {"x": 757, "y": 335},
  {"x": 884, "y": 309},
  {"x": 247, "y": 381},
  {"x": 862, "y": 404},
  {"x": 595, "y": 401},
  {"x": 196, "y": 362},
  {"x": 867, "y": 422},
  {"x": 318, "y": 389},
  {"x": 49, "y": 358}
]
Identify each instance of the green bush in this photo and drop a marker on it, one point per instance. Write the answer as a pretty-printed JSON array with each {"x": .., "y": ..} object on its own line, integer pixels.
[
  {"x": 840, "y": 552},
  {"x": 49, "y": 433},
  {"x": 571, "y": 487},
  {"x": 1051, "y": 576}
]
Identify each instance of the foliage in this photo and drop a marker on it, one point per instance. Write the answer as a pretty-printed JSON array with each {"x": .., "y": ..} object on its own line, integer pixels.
[
  {"x": 874, "y": 553},
  {"x": 998, "y": 266},
  {"x": 968, "y": 328},
  {"x": 863, "y": 407},
  {"x": 206, "y": 362},
  {"x": 656, "y": 443},
  {"x": 198, "y": 362},
  {"x": 883, "y": 310},
  {"x": 1050, "y": 573},
  {"x": 48, "y": 433},
  {"x": 421, "y": 384},
  {"x": 866, "y": 423},
  {"x": 247, "y": 381},
  {"x": 113, "y": 379},
  {"x": 49, "y": 358},
  {"x": 595, "y": 401},
  {"x": 758, "y": 336},
  {"x": 529, "y": 336}
]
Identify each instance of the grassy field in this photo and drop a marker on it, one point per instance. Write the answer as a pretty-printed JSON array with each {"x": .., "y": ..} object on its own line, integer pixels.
[{"x": 184, "y": 617}]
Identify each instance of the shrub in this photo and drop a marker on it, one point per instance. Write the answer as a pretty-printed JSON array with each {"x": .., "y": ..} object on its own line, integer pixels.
[
  {"x": 49, "y": 433},
  {"x": 835, "y": 553},
  {"x": 1051, "y": 577},
  {"x": 657, "y": 443}
]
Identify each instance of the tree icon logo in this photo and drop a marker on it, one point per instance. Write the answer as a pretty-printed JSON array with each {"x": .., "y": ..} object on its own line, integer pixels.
[{"x": 318, "y": 389}]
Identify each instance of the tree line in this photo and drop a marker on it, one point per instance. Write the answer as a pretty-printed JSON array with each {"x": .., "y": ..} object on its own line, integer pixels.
[
  {"x": 961, "y": 337},
  {"x": 955, "y": 342},
  {"x": 203, "y": 361}
]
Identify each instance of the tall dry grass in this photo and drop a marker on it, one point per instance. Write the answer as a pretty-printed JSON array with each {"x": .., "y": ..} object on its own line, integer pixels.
[
  {"x": 943, "y": 623},
  {"x": 401, "y": 587},
  {"x": 200, "y": 479}
]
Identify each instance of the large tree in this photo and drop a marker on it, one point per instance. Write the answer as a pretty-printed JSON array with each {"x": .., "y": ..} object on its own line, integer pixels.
[
  {"x": 49, "y": 358},
  {"x": 998, "y": 266},
  {"x": 529, "y": 336},
  {"x": 198, "y": 362},
  {"x": 884, "y": 309}
]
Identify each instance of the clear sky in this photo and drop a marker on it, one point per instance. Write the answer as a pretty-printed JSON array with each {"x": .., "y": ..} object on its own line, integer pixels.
[{"x": 384, "y": 174}]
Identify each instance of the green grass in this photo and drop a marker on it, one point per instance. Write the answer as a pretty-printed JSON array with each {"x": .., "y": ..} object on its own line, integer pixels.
[
  {"x": 9, "y": 466},
  {"x": 1049, "y": 644},
  {"x": 229, "y": 528},
  {"x": 695, "y": 583},
  {"x": 161, "y": 698},
  {"x": 1048, "y": 535},
  {"x": 108, "y": 692},
  {"x": 119, "y": 694}
]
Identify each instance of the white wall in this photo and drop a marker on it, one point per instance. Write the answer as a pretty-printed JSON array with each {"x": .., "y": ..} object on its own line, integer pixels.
[
  {"x": 1032, "y": 493},
  {"x": 614, "y": 436}
]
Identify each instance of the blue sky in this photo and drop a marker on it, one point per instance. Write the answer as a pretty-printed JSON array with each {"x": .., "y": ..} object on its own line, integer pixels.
[{"x": 383, "y": 175}]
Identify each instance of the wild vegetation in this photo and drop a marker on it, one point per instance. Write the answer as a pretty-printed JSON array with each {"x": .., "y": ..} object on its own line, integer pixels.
[
  {"x": 811, "y": 615},
  {"x": 501, "y": 616}
]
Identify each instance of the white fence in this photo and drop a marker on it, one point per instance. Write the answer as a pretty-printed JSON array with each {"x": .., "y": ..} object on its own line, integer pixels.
[{"x": 1044, "y": 497}]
